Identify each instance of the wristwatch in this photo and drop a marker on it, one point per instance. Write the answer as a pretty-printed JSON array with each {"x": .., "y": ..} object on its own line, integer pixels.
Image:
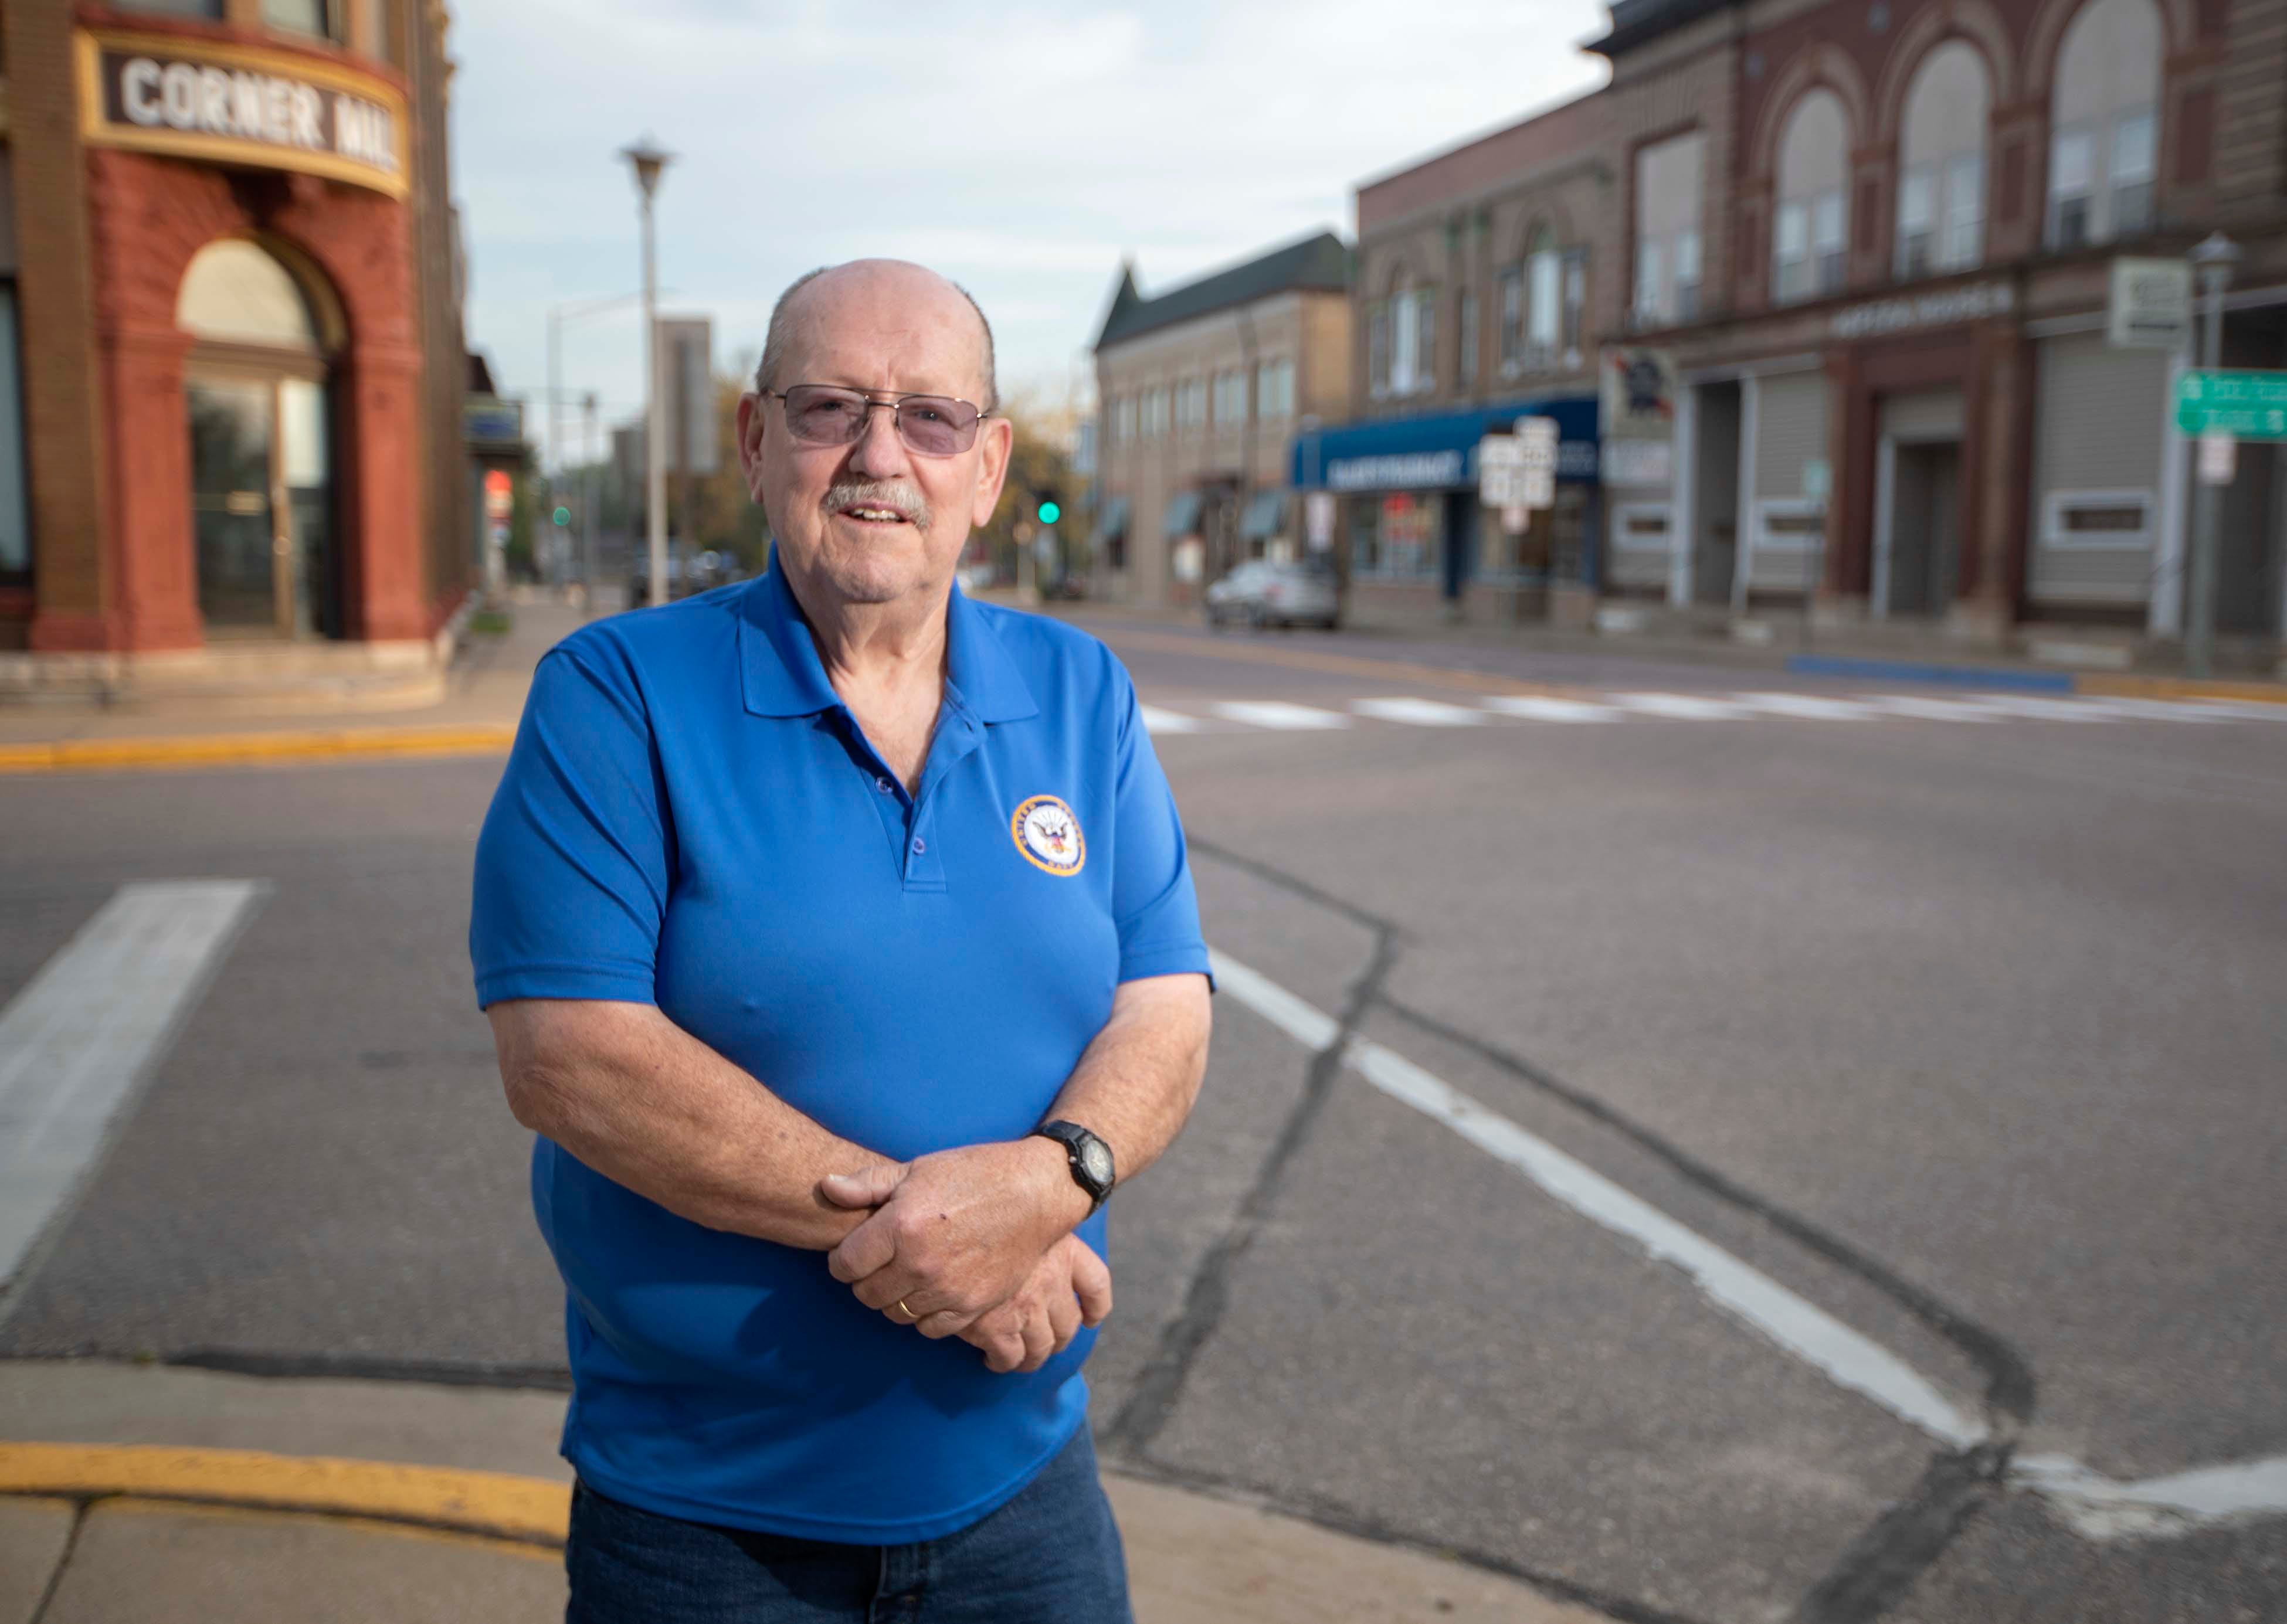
[{"x": 1090, "y": 1158}]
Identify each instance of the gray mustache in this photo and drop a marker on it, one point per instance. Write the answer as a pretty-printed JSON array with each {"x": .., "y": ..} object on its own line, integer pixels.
[{"x": 897, "y": 494}]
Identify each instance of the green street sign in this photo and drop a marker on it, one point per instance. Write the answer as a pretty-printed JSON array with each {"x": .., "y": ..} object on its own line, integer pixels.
[{"x": 2247, "y": 405}]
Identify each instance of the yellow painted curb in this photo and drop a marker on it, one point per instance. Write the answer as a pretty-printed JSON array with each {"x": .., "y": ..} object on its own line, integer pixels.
[
  {"x": 2177, "y": 687},
  {"x": 531, "y": 1510},
  {"x": 224, "y": 749}
]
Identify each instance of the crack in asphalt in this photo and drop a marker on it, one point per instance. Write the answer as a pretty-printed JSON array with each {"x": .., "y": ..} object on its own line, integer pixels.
[
  {"x": 1160, "y": 1386},
  {"x": 1874, "y": 1572}
]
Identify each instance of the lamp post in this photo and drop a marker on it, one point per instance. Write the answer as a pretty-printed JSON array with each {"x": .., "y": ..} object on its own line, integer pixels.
[
  {"x": 2213, "y": 259},
  {"x": 648, "y": 162},
  {"x": 559, "y": 316}
]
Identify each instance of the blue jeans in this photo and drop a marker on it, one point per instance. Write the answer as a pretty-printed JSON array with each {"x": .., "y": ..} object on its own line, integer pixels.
[{"x": 1052, "y": 1553}]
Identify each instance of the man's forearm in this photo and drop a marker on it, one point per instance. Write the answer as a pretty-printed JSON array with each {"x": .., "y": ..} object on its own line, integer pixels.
[
  {"x": 650, "y": 1106},
  {"x": 1135, "y": 1084}
]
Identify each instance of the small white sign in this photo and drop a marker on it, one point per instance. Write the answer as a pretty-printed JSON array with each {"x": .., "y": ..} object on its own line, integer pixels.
[
  {"x": 1539, "y": 488},
  {"x": 1537, "y": 435},
  {"x": 2218, "y": 459},
  {"x": 1638, "y": 463},
  {"x": 2151, "y": 305},
  {"x": 1318, "y": 520}
]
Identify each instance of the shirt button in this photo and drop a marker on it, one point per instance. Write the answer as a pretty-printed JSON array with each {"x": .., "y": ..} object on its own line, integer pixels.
[
  {"x": 920, "y": 846},
  {"x": 881, "y": 784}
]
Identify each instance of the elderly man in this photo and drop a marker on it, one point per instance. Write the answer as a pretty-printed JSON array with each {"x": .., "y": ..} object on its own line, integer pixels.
[{"x": 840, "y": 946}]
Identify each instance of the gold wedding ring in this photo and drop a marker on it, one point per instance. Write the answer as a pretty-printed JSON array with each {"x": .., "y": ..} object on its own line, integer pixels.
[{"x": 910, "y": 1317}]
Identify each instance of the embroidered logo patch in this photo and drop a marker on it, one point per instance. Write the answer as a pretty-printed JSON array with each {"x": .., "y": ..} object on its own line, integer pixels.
[{"x": 1048, "y": 832}]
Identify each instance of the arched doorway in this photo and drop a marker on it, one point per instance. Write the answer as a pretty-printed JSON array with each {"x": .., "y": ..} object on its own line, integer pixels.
[{"x": 262, "y": 452}]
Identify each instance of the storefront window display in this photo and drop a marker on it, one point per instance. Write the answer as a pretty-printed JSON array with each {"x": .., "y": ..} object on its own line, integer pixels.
[{"x": 1397, "y": 537}]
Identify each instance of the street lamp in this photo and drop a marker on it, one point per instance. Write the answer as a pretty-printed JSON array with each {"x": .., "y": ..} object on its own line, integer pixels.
[
  {"x": 649, "y": 162},
  {"x": 2213, "y": 259}
]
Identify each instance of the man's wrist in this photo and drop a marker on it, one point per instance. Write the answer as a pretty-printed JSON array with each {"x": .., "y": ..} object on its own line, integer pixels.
[{"x": 1067, "y": 1205}]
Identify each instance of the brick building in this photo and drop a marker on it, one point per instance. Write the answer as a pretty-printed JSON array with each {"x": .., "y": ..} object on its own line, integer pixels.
[
  {"x": 1199, "y": 390},
  {"x": 1485, "y": 275},
  {"x": 233, "y": 323},
  {"x": 1875, "y": 241}
]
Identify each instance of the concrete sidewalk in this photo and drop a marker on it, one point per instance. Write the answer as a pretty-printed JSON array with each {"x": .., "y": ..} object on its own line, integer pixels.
[{"x": 137, "y": 1493}]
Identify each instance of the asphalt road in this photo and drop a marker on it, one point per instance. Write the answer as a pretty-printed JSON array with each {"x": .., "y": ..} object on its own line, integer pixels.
[{"x": 1959, "y": 1031}]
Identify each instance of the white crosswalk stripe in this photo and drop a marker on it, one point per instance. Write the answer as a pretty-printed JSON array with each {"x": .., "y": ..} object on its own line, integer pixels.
[
  {"x": 1679, "y": 707},
  {"x": 1158, "y": 721},
  {"x": 1419, "y": 713},
  {"x": 1285, "y": 716},
  {"x": 1813, "y": 707},
  {"x": 1534, "y": 707},
  {"x": 1277, "y": 713}
]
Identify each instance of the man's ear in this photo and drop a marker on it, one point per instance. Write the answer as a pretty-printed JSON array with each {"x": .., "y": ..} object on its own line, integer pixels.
[
  {"x": 752, "y": 419},
  {"x": 996, "y": 440}
]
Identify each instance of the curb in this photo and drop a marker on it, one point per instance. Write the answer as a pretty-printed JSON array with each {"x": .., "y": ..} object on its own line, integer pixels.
[
  {"x": 227, "y": 749},
  {"x": 491, "y": 1505},
  {"x": 2091, "y": 684}
]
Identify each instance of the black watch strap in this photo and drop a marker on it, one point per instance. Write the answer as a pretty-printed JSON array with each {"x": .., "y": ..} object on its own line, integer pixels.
[{"x": 1089, "y": 1157}]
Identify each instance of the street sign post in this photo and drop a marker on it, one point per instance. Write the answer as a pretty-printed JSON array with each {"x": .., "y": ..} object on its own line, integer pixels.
[
  {"x": 2151, "y": 305},
  {"x": 2247, "y": 405}
]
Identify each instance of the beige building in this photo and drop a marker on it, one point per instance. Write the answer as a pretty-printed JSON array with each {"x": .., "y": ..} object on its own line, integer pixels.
[
  {"x": 1484, "y": 276},
  {"x": 1200, "y": 391}
]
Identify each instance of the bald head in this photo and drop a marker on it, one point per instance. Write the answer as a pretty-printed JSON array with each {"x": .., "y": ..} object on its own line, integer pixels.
[{"x": 816, "y": 298}]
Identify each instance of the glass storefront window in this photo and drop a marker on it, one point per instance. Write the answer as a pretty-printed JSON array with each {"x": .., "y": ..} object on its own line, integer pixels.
[
  {"x": 15, "y": 508},
  {"x": 1398, "y": 537}
]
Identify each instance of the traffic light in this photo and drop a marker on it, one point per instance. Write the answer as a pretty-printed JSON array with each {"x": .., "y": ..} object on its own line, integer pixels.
[
  {"x": 1049, "y": 512},
  {"x": 563, "y": 514}
]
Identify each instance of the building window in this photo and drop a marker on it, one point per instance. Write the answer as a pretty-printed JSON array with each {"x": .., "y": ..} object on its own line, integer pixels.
[
  {"x": 1942, "y": 155},
  {"x": 1545, "y": 317},
  {"x": 2105, "y": 139},
  {"x": 2121, "y": 519},
  {"x": 1153, "y": 414},
  {"x": 1230, "y": 398},
  {"x": 1412, "y": 342},
  {"x": 1425, "y": 341},
  {"x": 1274, "y": 388},
  {"x": 1123, "y": 419},
  {"x": 1811, "y": 231},
  {"x": 1667, "y": 232},
  {"x": 300, "y": 16},
  {"x": 1576, "y": 303},
  {"x": 1465, "y": 337},
  {"x": 1512, "y": 319},
  {"x": 1377, "y": 349},
  {"x": 1191, "y": 404},
  {"x": 15, "y": 506}
]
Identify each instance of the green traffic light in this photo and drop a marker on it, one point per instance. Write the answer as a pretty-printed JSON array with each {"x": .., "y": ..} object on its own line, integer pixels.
[
  {"x": 1050, "y": 513},
  {"x": 563, "y": 515}
]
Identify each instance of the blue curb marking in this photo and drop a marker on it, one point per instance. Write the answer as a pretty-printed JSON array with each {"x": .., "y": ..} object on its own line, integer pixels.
[{"x": 1910, "y": 671}]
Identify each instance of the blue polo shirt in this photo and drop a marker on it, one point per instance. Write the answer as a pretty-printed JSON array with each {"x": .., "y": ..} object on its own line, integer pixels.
[{"x": 692, "y": 818}]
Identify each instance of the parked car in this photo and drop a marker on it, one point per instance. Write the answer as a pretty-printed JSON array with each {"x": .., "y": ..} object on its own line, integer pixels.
[
  {"x": 1260, "y": 593},
  {"x": 686, "y": 577}
]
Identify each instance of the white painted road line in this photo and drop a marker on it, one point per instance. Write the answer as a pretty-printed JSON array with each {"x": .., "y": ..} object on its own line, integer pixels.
[
  {"x": 1802, "y": 1327},
  {"x": 1534, "y": 708},
  {"x": 1679, "y": 707},
  {"x": 1279, "y": 714},
  {"x": 1813, "y": 706},
  {"x": 1419, "y": 713},
  {"x": 1931, "y": 710},
  {"x": 1157, "y": 720},
  {"x": 75, "y": 1042},
  {"x": 2046, "y": 710},
  {"x": 2097, "y": 1507}
]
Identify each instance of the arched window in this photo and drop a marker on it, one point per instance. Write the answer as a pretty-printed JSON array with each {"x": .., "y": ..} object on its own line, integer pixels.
[
  {"x": 1402, "y": 339},
  {"x": 1811, "y": 230},
  {"x": 2104, "y": 123},
  {"x": 1544, "y": 270},
  {"x": 1941, "y": 162},
  {"x": 234, "y": 293}
]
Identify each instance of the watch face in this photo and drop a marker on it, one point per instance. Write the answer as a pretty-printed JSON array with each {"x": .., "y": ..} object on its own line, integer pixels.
[{"x": 1096, "y": 1160}]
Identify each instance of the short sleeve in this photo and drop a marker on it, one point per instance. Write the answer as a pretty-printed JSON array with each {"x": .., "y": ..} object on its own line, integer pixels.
[
  {"x": 572, "y": 867},
  {"x": 1153, "y": 905}
]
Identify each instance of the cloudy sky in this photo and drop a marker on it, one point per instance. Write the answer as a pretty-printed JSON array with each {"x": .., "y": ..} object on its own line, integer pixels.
[{"x": 1024, "y": 151}]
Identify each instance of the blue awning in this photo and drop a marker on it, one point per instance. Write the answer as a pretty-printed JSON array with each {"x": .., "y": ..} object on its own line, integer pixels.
[{"x": 1437, "y": 452}]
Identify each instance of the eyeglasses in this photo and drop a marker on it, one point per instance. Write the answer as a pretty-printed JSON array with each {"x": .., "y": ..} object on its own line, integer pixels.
[{"x": 927, "y": 425}]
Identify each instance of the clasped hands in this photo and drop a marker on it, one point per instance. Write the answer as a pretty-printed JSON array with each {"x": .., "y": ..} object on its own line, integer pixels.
[{"x": 977, "y": 1243}]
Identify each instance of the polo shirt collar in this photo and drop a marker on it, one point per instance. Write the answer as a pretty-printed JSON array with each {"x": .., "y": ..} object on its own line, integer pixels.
[{"x": 781, "y": 675}]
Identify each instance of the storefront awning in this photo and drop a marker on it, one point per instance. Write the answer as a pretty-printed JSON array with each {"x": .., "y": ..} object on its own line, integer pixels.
[
  {"x": 1438, "y": 450},
  {"x": 1265, "y": 516},
  {"x": 1183, "y": 517},
  {"x": 1114, "y": 523}
]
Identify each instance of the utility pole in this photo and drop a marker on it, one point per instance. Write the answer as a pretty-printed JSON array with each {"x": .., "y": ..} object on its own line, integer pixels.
[
  {"x": 649, "y": 160},
  {"x": 2213, "y": 259},
  {"x": 587, "y": 502}
]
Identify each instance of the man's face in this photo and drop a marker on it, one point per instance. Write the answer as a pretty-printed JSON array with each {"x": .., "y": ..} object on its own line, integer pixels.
[{"x": 873, "y": 522}]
